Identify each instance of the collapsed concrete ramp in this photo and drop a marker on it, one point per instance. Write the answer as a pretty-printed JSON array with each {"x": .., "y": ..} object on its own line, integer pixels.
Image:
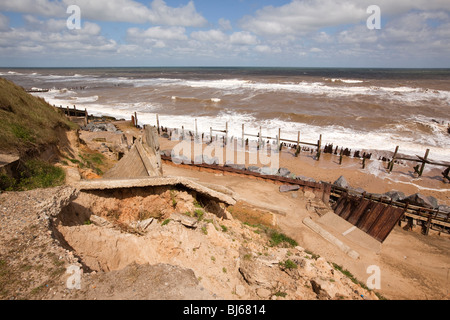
[
  {"x": 143, "y": 159},
  {"x": 111, "y": 184}
]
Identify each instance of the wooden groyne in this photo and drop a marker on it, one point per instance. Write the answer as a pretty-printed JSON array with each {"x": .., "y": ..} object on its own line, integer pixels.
[
  {"x": 298, "y": 145},
  {"x": 428, "y": 218}
]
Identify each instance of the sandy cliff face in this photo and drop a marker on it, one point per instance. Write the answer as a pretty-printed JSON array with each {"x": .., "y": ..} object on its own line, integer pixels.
[
  {"x": 231, "y": 260},
  {"x": 185, "y": 253}
]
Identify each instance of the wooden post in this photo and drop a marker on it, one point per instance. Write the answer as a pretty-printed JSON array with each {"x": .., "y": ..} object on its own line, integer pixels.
[
  {"x": 86, "y": 120},
  {"x": 364, "y": 163},
  {"x": 260, "y": 137},
  {"x": 391, "y": 164},
  {"x": 210, "y": 133},
  {"x": 226, "y": 133},
  {"x": 297, "y": 151},
  {"x": 75, "y": 110},
  {"x": 182, "y": 132},
  {"x": 319, "y": 145},
  {"x": 157, "y": 124},
  {"x": 196, "y": 129},
  {"x": 135, "y": 119},
  {"x": 243, "y": 135},
  {"x": 423, "y": 163},
  {"x": 279, "y": 139},
  {"x": 427, "y": 226}
]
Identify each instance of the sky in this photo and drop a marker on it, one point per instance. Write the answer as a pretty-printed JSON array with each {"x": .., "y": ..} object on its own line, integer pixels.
[{"x": 265, "y": 33}]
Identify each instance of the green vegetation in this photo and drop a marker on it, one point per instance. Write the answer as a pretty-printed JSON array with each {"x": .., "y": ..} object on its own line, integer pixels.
[
  {"x": 174, "y": 200},
  {"x": 280, "y": 294},
  {"x": 34, "y": 174},
  {"x": 90, "y": 160},
  {"x": 27, "y": 122},
  {"x": 288, "y": 264},
  {"x": 277, "y": 238},
  {"x": 313, "y": 255},
  {"x": 27, "y": 126},
  {"x": 199, "y": 214},
  {"x": 197, "y": 204},
  {"x": 165, "y": 222},
  {"x": 354, "y": 280}
]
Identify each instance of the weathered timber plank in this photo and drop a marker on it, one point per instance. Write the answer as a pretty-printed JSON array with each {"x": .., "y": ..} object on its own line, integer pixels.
[
  {"x": 370, "y": 217},
  {"x": 385, "y": 223},
  {"x": 359, "y": 211}
]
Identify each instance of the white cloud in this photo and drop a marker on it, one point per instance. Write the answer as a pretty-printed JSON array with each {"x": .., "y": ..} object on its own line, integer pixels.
[
  {"x": 325, "y": 29},
  {"x": 51, "y": 38},
  {"x": 4, "y": 22},
  {"x": 41, "y": 7},
  {"x": 303, "y": 16},
  {"x": 243, "y": 38},
  {"x": 267, "y": 49},
  {"x": 209, "y": 36},
  {"x": 50, "y": 25},
  {"x": 182, "y": 16},
  {"x": 170, "y": 33},
  {"x": 225, "y": 24},
  {"x": 112, "y": 10}
]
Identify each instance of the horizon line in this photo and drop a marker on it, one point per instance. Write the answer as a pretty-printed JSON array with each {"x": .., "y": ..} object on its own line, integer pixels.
[{"x": 223, "y": 67}]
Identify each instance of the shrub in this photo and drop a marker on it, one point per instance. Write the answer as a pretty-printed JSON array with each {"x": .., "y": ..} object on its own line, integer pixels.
[
  {"x": 277, "y": 238},
  {"x": 34, "y": 174},
  {"x": 288, "y": 264}
]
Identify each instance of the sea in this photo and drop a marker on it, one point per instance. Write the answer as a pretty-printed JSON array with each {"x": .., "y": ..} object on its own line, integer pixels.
[{"x": 358, "y": 109}]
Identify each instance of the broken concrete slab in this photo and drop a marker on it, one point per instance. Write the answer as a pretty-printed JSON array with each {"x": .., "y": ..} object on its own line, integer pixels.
[
  {"x": 143, "y": 159},
  {"x": 105, "y": 184},
  {"x": 330, "y": 238},
  {"x": 288, "y": 187}
]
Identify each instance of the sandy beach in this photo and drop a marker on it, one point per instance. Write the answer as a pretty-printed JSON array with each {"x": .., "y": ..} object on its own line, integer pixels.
[
  {"x": 374, "y": 178},
  {"x": 413, "y": 266}
]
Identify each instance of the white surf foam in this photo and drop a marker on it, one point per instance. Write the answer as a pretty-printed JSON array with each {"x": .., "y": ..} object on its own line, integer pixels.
[{"x": 351, "y": 81}]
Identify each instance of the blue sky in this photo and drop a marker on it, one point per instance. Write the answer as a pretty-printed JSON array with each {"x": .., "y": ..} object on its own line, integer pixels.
[{"x": 288, "y": 33}]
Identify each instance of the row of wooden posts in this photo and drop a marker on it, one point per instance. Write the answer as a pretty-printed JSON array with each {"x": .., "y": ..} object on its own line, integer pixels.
[
  {"x": 343, "y": 152},
  {"x": 422, "y": 161},
  {"x": 260, "y": 137}
]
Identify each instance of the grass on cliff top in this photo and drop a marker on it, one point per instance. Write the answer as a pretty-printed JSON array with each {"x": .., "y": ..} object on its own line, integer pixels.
[
  {"x": 26, "y": 122},
  {"x": 33, "y": 174}
]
